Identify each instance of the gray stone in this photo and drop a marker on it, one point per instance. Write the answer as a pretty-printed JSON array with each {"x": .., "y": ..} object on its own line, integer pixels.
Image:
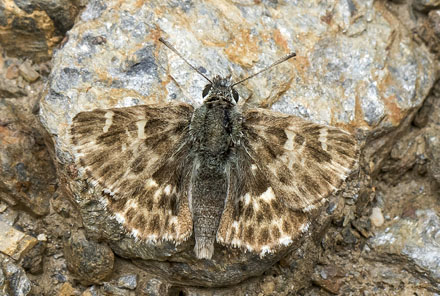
[
  {"x": 128, "y": 281},
  {"x": 415, "y": 241},
  {"x": 155, "y": 287},
  {"x": 355, "y": 68},
  {"x": 17, "y": 281},
  {"x": 110, "y": 289}
]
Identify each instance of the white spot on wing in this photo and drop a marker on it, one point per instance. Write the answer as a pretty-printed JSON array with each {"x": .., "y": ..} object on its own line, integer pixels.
[
  {"x": 167, "y": 189},
  {"x": 265, "y": 250},
  {"x": 247, "y": 198},
  {"x": 109, "y": 192},
  {"x": 309, "y": 208},
  {"x": 304, "y": 227},
  {"x": 141, "y": 129},
  {"x": 285, "y": 240},
  {"x": 120, "y": 218},
  {"x": 135, "y": 233},
  {"x": 151, "y": 183},
  {"x": 323, "y": 138},
  {"x": 289, "y": 143},
  {"x": 268, "y": 195},
  {"x": 109, "y": 121}
]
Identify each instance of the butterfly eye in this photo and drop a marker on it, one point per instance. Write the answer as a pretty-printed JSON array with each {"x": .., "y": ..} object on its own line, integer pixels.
[
  {"x": 206, "y": 90},
  {"x": 235, "y": 95}
]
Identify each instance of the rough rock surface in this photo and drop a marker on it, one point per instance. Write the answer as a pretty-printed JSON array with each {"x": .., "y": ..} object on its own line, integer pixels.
[
  {"x": 404, "y": 187},
  {"x": 88, "y": 260},
  {"x": 356, "y": 67},
  {"x": 33, "y": 28}
]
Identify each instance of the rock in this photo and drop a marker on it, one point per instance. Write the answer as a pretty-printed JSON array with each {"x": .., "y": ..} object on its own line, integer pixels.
[
  {"x": 407, "y": 151},
  {"x": 9, "y": 88},
  {"x": 34, "y": 28},
  {"x": 328, "y": 278},
  {"x": 27, "y": 176},
  {"x": 376, "y": 217},
  {"x": 426, "y": 5},
  {"x": 15, "y": 243},
  {"x": 429, "y": 31},
  {"x": 413, "y": 241},
  {"x": 12, "y": 72},
  {"x": 28, "y": 73},
  {"x": 32, "y": 261},
  {"x": 110, "y": 289},
  {"x": 156, "y": 287},
  {"x": 42, "y": 237},
  {"x": 17, "y": 283},
  {"x": 89, "y": 261},
  {"x": 339, "y": 77},
  {"x": 67, "y": 290},
  {"x": 128, "y": 281}
]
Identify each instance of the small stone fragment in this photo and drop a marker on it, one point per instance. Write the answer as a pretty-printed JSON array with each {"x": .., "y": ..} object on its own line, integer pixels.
[
  {"x": 42, "y": 237},
  {"x": 128, "y": 281},
  {"x": 14, "y": 243},
  {"x": 28, "y": 73},
  {"x": 327, "y": 282},
  {"x": 155, "y": 287},
  {"x": 32, "y": 262},
  {"x": 12, "y": 72},
  {"x": 90, "y": 261},
  {"x": 109, "y": 289},
  {"x": 67, "y": 290},
  {"x": 17, "y": 280},
  {"x": 9, "y": 89},
  {"x": 376, "y": 217},
  {"x": 3, "y": 208},
  {"x": 268, "y": 287}
]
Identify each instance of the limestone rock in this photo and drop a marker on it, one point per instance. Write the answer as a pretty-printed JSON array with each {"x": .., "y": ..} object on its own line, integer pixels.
[{"x": 356, "y": 67}]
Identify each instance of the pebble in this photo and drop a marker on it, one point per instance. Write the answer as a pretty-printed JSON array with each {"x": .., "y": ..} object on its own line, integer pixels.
[
  {"x": 376, "y": 217},
  {"x": 128, "y": 281},
  {"x": 67, "y": 290},
  {"x": 42, "y": 237},
  {"x": 27, "y": 72},
  {"x": 12, "y": 72}
]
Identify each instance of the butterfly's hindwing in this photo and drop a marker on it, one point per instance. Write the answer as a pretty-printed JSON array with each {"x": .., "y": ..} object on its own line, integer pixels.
[{"x": 139, "y": 157}]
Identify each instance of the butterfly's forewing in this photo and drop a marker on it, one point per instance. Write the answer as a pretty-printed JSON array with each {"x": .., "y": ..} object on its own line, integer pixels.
[
  {"x": 284, "y": 168},
  {"x": 139, "y": 158}
]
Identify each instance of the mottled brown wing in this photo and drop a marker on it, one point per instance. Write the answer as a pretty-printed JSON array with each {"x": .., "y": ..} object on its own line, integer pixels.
[
  {"x": 139, "y": 158},
  {"x": 285, "y": 167}
]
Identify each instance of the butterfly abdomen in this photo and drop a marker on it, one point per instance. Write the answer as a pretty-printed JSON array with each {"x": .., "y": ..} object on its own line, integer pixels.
[
  {"x": 209, "y": 189},
  {"x": 211, "y": 129}
]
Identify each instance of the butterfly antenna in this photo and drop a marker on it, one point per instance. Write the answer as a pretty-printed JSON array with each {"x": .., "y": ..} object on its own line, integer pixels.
[
  {"x": 283, "y": 59},
  {"x": 167, "y": 44}
]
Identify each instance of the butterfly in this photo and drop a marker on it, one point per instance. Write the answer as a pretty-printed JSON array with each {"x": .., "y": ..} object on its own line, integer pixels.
[{"x": 244, "y": 178}]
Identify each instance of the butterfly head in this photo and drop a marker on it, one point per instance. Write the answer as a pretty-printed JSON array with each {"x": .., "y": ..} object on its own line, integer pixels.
[{"x": 220, "y": 90}]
